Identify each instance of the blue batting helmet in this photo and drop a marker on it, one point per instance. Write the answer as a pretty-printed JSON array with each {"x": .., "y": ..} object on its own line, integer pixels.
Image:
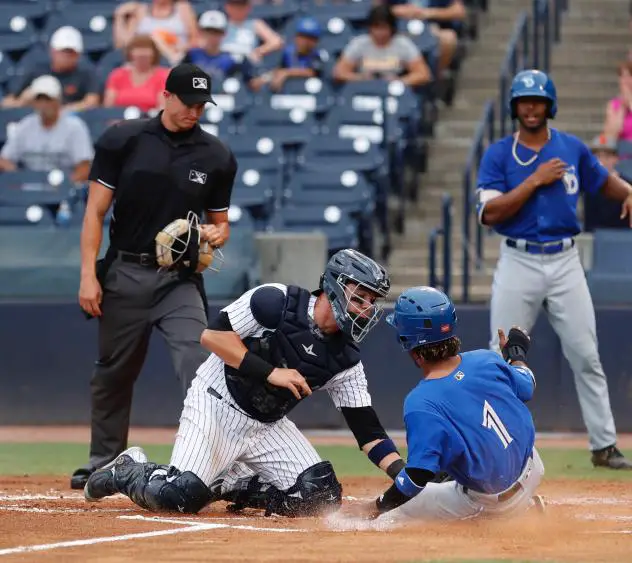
[
  {"x": 533, "y": 84},
  {"x": 423, "y": 315}
]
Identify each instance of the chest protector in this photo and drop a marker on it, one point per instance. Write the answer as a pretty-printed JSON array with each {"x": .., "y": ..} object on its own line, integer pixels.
[{"x": 292, "y": 345}]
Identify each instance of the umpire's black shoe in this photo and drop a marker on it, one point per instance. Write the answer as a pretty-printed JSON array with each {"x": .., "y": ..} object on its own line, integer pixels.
[
  {"x": 80, "y": 477},
  {"x": 611, "y": 458},
  {"x": 101, "y": 483}
]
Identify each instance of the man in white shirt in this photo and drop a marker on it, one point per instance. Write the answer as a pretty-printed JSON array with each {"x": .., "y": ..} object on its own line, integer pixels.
[{"x": 48, "y": 138}]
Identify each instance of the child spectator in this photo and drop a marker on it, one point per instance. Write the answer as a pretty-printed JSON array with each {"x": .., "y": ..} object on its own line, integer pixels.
[{"x": 302, "y": 58}]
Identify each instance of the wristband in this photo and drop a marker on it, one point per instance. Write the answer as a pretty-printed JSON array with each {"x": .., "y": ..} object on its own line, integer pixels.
[
  {"x": 255, "y": 367},
  {"x": 381, "y": 450},
  {"x": 406, "y": 486},
  {"x": 394, "y": 468}
]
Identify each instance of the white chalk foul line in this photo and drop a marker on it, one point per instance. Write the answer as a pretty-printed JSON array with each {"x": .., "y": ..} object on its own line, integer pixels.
[
  {"x": 185, "y": 526},
  {"x": 34, "y": 509}
]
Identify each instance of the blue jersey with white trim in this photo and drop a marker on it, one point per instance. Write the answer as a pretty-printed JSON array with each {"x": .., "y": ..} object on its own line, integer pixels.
[
  {"x": 551, "y": 212},
  {"x": 473, "y": 423}
]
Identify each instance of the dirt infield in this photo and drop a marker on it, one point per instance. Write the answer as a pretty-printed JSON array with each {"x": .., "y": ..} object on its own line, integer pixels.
[{"x": 42, "y": 521}]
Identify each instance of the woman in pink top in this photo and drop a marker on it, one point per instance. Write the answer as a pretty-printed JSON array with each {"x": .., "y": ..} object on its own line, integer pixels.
[
  {"x": 618, "y": 124},
  {"x": 141, "y": 81}
]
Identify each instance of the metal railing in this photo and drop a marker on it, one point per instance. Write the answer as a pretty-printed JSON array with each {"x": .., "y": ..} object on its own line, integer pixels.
[
  {"x": 529, "y": 47},
  {"x": 444, "y": 232}
]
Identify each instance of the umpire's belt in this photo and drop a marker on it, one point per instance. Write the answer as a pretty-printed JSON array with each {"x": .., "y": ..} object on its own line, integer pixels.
[
  {"x": 144, "y": 259},
  {"x": 552, "y": 247}
]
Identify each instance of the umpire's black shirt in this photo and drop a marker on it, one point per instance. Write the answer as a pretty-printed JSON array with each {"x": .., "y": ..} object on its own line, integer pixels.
[{"x": 159, "y": 176}]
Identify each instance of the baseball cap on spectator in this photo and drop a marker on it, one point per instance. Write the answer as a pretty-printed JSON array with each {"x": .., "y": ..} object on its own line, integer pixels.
[
  {"x": 213, "y": 19},
  {"x": 46, "y": 85},
  {"x": 190, "y": 83},
  {"x": 309, "y": 27},
  {"x": 67, "y": 37},
  {"x": 603, "y": 143}
]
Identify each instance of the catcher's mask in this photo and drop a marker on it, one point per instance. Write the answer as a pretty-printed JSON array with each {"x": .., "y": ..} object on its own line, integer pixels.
[{"x": 179, "y": 244}]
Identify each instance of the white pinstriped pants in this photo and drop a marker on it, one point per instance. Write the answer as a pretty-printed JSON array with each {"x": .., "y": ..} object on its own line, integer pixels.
[{"x": 216, "y": 439}]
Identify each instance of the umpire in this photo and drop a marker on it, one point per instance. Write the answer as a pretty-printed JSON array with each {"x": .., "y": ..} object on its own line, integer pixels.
[{"x": 154, "y": 171}]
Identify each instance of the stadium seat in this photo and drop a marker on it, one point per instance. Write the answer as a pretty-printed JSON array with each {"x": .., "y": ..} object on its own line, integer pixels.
[
  {"x": 32, "y": 216},
  {"x": 7, "y": 69},
  {"x": 232, "y": 96},
  {"x": 311, "y": 94},
  {"x": 340, "y": 229},
  {"x": 8, "y": 118},
  {"x": 275, "y": 13},
  {"x": 99, "y": 119},
  {"x": 346, "y": 189},
  {"x": 240, "y": 270},
  {"x": 254, "y": 191},
  {"x": 288, "y": 127},
  {"x": 341, "y": 154},
  {"x": 355, "y": 12},
  {"x": 610, "y": 278},
  {"x": 347, "y": 123},
  {"x": 29, "y": 9},
  {"x": 624, "y": 166},
  {"x": 426, "y": 41},
  {"x": 94, "y": 21},
  {"x": 24, "y": 188}
]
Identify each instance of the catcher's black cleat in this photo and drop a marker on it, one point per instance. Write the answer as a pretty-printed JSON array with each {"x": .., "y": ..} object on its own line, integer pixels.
[
  {"x": 80, "y": 477},
  {"x": 101, "y": 483},
  {"x": 611, "y": 458}
]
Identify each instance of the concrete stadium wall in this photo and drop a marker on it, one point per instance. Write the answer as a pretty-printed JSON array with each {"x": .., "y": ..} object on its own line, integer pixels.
[{"x": 47, "y": 352}]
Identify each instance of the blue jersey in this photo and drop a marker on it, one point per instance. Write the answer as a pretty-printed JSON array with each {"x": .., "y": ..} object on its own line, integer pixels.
[
  {"x": 221, "y": 65},
  {"x": 313, "y": 60},
  {"x": 473, "y": 424},
  {"x": 551, "y": 212}
]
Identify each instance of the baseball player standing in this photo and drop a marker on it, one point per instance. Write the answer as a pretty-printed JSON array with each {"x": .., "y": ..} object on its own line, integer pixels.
[
  {"x": 154, "y": 171},
  {"x": 494, "y": 464},
  {"x": 270, "y": 348},
  {"x": 529, "y": 184}
]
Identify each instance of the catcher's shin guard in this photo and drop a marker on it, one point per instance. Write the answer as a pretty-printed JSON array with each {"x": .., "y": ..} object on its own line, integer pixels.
[
  {"x": 316, "y": 491},
  {"x": 163, "y": 488}
]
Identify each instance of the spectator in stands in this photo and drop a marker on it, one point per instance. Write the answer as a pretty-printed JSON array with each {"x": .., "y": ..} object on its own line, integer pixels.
[
  {"x": 141, "y": 81},
  {"x": 170, "y": 23},
  {"x": 443, "y": 15},
  {"x": 210, "y": 57},
  {"x": 302, "y": 58},
  {"x": 80, "y": 85},
  {"x": 601, "y": 212},
  {"x": 382, "y": 53},
  {"x": 247, "y": 36},
  {"x": 618, "y": 122},
  {"x": 49, "y": 138}
]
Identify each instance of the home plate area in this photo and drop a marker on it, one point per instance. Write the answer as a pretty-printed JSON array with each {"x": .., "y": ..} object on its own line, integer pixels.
[{"x": 41, "y": 520}]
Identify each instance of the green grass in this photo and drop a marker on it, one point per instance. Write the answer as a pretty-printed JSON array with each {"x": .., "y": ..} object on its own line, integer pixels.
[{"x": 62, "y": 458}]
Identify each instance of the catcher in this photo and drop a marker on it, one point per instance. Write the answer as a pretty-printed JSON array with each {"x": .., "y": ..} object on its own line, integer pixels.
[{"x": 160, "y": 175}]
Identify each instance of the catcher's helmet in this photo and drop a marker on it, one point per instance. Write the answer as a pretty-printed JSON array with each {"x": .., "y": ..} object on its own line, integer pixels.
[
  {"x": 423, "y": 315},
  {"x": 533, "y": 84},
  {"x": 350, "y": 266}
]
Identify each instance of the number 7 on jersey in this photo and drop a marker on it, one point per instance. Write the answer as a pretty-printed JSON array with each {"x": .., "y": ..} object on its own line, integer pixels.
[{"x": 492, "y": 421}]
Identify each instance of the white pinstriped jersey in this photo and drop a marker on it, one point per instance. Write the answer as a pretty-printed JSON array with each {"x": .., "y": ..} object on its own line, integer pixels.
[{"x": 346, "y": 389}]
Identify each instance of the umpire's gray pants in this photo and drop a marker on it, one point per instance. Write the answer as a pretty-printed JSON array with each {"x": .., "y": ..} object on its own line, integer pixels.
[{"x": 135, "y": 300}]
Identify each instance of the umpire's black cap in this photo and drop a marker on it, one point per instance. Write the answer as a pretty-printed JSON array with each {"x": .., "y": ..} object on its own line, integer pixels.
[{"x": 190, "y": 83}]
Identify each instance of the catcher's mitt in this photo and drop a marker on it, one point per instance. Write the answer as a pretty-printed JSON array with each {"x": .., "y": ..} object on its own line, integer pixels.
[{"x": 179, "y": 245}]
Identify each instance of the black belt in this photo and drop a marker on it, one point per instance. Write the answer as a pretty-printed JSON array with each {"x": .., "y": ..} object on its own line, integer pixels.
[
  {"x": 144, "y": 259},
  {"x": 539, "y": 247}
]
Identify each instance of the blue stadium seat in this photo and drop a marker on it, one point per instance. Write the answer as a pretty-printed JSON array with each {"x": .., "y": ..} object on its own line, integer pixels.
[
  {"x": 340, "y": 229},
  {"x": 336, "y": 32},
  {"x": 29, "y": 9},
  {"x": 7, "y": 68},
  {"x": 254, "y": 191},
  {"x": 8, "y": 117},
  {"x": 311, "y": 94},
  {"x": 275, "y": 13},
  {"x": 422, "y": 36},
  {"x": 232, "y": 96},
  {"x": 288, "y": 127},
  {"x": 260, "y": 152},
  {"x": 32, "y": 216},
  {"x": 610, "y": 278},
  {"x": 240, "y": 270},
  {"x": 356, "y": 11},
  {"x": 24, "y": 188},
  {"x": 624, "y": 166},
  {"x": 341, "y": 154},
  {"x": 99, "y": 119},
  {"x": 94, "y": 21},
  {"x": 347, "y": 123}
]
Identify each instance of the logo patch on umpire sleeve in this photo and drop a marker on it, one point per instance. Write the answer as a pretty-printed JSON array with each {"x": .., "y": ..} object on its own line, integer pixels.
[
  {"x": 197, "y": 177},
  {"x": 200, "y": 83}
]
